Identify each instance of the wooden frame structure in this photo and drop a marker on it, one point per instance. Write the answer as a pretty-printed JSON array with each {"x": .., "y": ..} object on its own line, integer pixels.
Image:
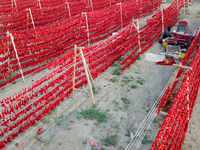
[
  {"x": 174, "y": 79},
  {"x": 87, "y": 72}
]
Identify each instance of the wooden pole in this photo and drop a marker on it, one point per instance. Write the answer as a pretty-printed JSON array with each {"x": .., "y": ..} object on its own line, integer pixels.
[
  {"x": 177, "y": 6},
  {"x": 180, "y": 78},
  {"x": 8, "y": 58},
  {"x": 75, "y": 50},
  {"x": 40, "y": 4},
  {"x": 188, "y": 106},
  {"x": 32, "y": 18},
  {"x": 184, "y": 6},
  {"x": 91, "y": 5},
  {"x": 174, "y": 78},
  {"x": 91, "y": 78},
  {"x": 162, "y": 19},
  {"x": 8, "y": 43},
  {"x": 69, "y": 10},
  {"x": 121, "y": 15},
  {"x": 15, "y": 4},
  {"x": 138, "y": 30},
  {"x": 180, "y": 66},
  {"x": 27, "y": 19},
  {"x": 88, "y": 34},
  {"x": 110, "y": 3},
  {"x": 88, "y": 79},
  {"x": 12, "y": 40},
  {"x": 12, "y": 5},
  {"x": 81, "y": 90}
]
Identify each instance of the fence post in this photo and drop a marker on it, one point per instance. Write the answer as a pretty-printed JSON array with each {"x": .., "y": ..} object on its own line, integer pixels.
[
  {"x": 32, "y": 18},
  {"x": 177, "y": 6},
  {"x": 20, "y": 68},
  {"x": 91, "y": 5},
  {"x": 121, "y": 14},
  {"x": 138, "y": 30},
  {"x": 88, "y": 34},
  {"x": 75, "y": 49},
  {"x": 39, "y": 4},
  {"x": 68, "y": 9},
  {"x": 162, "y": 19}
]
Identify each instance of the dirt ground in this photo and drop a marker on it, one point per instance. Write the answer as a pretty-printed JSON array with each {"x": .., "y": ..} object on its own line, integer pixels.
[{"x": 73, "y": 132}]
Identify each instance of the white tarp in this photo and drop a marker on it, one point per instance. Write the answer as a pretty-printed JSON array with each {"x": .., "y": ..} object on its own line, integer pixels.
[{"x": 154, "y": 57}]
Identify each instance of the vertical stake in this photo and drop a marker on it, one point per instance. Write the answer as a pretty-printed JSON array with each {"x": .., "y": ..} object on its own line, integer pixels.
[
  {"x": 75, "y": 50},
  {"x": 162, "y": 19},
  {"x": 188, "y": 106},
  {"x": 32, "y": 18},
  {"x": 68, "y": 9},
  {"x": 121, "y": 15},
  {"x": 8, "y": 43},
  {"x": 91, "y": 5},
  {"x": 12, "y": 5},
  {"x": 15, "y": 4},
  {"x": 174, "y": 77},
  {"x": 88, "y": 34},
  {"x": 90, "y": 76},
  {"x": 110, "y": 2},
  {"x": 20, "y": 68},
  {"x": 88, "y": 79},
  {"x": 27, "y": 19},
  {"x": 138, "y": 30},
  {"x": 184, "y": 6},
  {"x": 40, "y": 4},
  {"x": 177, "y": 6}
]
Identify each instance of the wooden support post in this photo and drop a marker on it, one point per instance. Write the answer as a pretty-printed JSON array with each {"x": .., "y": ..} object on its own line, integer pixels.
[
  {"x": 8, "y": 58},
  {"x": 188, "y": 106},
  {"x": 88, "y": 78},
  {"x": 91, "y": 78},
  {"x": 12, "y": 40},
  {"x": 184, "y": 6},
  {"x": 110, "y": 2},
  {"x": 69, "y": 10},
  {"x": 12, "y": 5},
  {"x": 27, "y": 19},
  {"x": 172, "y": 83},
  {"x": 133, "y": 24},
  {"x": 162, "y": 19},
  {"x": 87, "y": 72},
  {"x": 138, "y": 30},
  {"x": 8, "y": 43},
  {"x": 161, "y": 113},
  {"x": 177, "y": 5},
  {"x": 39, "y": 4},
  {"x": 174, "y": 78},
  {"x": 179, "y": 78},
  {"x": 180, "y": 66},
  {"x": 81, "y": 90},
  {"x": 32, "y": 18},
  {"x": 75, "y": 49},
  {"x": 121, "y": 14},
  {"x": 88, "y": 34},
  {"x": 158, "y": 115},
  {"x": 15, "y": 4},
  {"x": 91, "y": 5}
]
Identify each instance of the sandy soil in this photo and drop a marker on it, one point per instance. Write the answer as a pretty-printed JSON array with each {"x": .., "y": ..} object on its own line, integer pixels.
[{"x": 71, "y": 135}]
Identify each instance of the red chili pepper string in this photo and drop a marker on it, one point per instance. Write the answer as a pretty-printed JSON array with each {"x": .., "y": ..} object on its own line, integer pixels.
[
  {"x": 177, "y": 121},
  {"x": 115, "y": 51}
]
